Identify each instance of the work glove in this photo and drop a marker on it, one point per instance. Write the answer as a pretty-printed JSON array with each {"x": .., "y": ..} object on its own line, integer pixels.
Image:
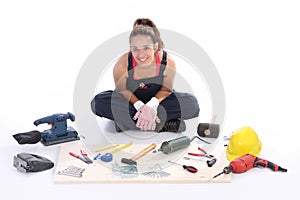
[
  {"x": 146, "y": 116},
  {"x": 138, "y": 105}
]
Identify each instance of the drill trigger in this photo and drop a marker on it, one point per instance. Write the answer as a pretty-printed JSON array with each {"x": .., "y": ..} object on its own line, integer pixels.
[{"x": 260, "y": 164}]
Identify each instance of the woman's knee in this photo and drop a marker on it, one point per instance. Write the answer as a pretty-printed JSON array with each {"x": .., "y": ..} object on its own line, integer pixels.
[
  {"x": 101, "y": 102},
  {"x": 181, "y": 105},
  {"x": 194, "y": 105},
  {"x": 189, "y": 106}
]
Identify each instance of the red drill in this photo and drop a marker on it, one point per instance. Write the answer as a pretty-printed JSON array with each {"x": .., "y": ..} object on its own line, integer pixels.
[{"x": 246, "y": 162}]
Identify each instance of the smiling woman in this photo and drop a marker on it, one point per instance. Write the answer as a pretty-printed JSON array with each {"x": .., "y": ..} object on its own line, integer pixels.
[{"x": 144, "y": 97}]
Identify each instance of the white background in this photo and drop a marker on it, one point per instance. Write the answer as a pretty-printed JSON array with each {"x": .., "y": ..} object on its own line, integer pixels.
[{"x": 255, "y": 46}]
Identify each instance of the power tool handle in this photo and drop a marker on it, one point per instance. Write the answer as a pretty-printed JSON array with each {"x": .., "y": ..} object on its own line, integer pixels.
[
  {"x": 265, "y": 163},
  {"x": 70, "y": 116},
  {"x": 43, "y": 120}
]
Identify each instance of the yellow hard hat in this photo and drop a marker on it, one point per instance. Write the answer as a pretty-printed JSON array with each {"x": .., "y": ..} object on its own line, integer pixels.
[{"x": 243, "y": 141}]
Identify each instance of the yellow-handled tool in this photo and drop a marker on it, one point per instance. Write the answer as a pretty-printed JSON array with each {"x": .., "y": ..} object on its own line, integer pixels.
[
  {"x": 121, "y": 148},
  {"x": 106, "y": 148}
]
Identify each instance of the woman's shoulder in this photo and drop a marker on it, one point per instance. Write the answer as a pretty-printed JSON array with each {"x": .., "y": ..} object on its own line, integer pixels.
[
  {"x": 122, "y": 61},
  {"x": 123, "y": 58}
]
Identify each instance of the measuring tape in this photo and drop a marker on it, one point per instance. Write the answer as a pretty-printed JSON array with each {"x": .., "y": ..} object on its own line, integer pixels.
[{"x": 108, "y": 157}]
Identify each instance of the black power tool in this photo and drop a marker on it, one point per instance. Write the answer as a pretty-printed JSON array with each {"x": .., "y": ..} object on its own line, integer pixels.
[{"x": 27, "y": 162}]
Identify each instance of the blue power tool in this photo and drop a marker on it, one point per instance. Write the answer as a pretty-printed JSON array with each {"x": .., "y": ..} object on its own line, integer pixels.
[{"x": 59, "y": 131}]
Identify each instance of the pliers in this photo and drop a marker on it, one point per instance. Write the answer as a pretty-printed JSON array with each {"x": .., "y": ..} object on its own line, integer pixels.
[
  {"x": 203, "y": 154},
  {"x": 209, "y": 162},
  {"x": 83, "y": 157}
]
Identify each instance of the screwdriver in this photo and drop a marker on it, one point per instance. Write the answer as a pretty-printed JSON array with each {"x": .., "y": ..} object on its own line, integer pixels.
[
  {"x": 210, "y": 162},
  {"x": 187, "y": 168}
]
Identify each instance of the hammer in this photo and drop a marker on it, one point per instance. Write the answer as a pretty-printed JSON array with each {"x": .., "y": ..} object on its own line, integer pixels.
[{"x": 132, "y": 161}]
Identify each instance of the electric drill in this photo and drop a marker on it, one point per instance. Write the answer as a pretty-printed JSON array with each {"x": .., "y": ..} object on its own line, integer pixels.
[{"x": 247, "y": 162}]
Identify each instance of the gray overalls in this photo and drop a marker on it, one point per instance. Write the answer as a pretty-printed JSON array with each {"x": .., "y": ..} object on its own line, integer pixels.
[{"x": 112, "y": 105}]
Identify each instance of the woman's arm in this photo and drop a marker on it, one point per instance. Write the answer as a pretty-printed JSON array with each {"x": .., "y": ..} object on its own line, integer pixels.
[{"x": 120, "y": 74}]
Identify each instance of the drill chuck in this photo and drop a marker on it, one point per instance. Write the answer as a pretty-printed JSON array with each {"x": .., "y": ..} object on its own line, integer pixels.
[{"x": 227, "y": 170}]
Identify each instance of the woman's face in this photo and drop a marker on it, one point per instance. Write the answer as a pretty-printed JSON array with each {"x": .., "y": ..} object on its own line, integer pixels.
[{"x": 143, "y": 50}]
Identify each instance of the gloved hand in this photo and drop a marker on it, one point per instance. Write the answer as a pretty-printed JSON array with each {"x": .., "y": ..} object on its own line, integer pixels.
[
  {"x": 138, "y": 105},
  {"x": 146, "y": 118},
  {"x": 147, "y": 115}
]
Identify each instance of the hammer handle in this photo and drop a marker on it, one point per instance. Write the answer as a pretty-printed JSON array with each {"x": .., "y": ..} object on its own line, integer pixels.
[{"x": 144, "y": 152}]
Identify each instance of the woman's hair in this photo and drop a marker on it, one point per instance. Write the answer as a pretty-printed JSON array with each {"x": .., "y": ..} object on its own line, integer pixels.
[
  {"x": 145, "y": 31},
  {"x": 145, "y": 22}
]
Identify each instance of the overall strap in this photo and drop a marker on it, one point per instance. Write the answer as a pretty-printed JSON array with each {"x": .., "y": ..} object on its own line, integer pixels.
[
  {"x": 164, "y": 58},
  {"x": 130, "y": 61},
  {"x": 163, "y": 62}
]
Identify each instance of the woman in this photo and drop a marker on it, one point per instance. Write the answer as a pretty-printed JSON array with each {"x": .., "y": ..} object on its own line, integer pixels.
[{"x": 144, "y": 97}]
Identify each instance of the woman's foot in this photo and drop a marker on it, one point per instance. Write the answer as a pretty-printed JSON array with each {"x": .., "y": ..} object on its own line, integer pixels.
[
  {"x": 120, "y": 127},
  {"x": 174, "y": 125}
]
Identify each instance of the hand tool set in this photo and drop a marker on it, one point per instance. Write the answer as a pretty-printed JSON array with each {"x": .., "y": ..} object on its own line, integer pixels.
[
  {"x": 156, "y": 172},
  {"x": 124, "y": 171},
  {"x": 60, "y": 132},
  {"x": 72, "y": 171}
]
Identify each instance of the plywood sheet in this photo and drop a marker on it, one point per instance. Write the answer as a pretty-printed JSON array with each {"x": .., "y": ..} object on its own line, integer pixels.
[{"x": 97, "y": 172}]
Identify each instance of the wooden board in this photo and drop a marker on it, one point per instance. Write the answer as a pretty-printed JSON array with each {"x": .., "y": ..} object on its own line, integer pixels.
[{"x": 97, "y": 172}]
